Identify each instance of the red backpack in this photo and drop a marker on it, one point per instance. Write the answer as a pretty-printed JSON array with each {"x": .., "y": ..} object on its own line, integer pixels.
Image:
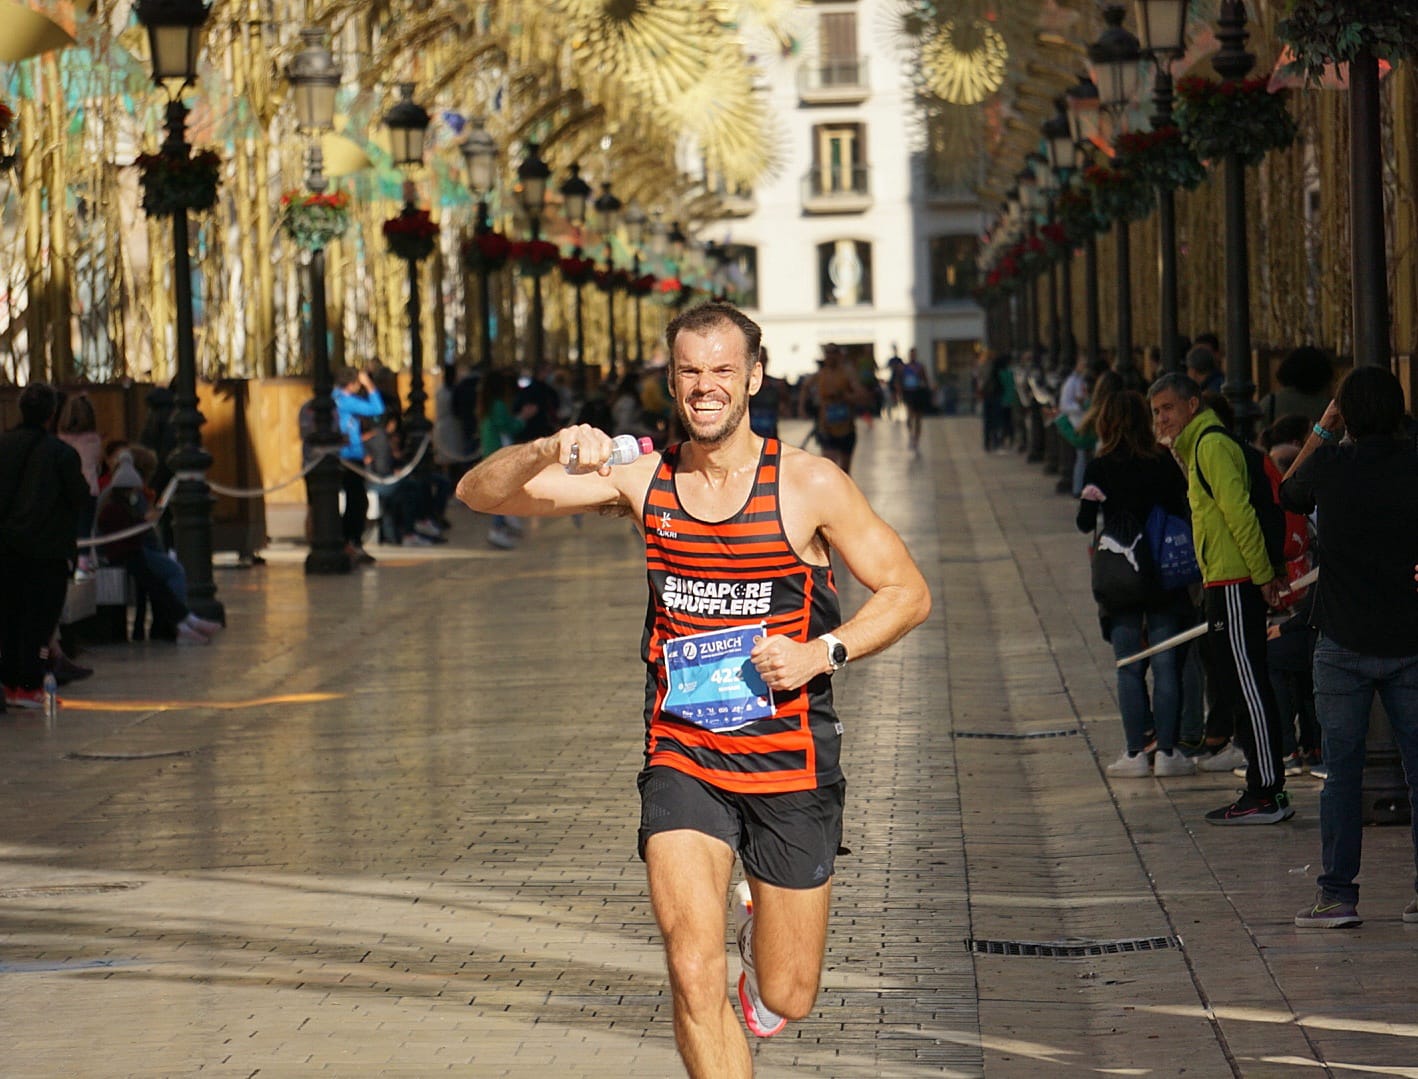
[{"x": 1299, "y": 559}]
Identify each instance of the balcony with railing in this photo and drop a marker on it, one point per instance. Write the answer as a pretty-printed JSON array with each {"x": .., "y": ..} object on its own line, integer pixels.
[
  {"x": 837, "y": 189},
  {"x": 833, "y": 82},
  {"x": 729, "y": 200}
]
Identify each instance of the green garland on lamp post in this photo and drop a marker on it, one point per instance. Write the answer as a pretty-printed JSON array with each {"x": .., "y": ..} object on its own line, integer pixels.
[
  {"x": 1160, "y": 157},
  {"x": 1234, "y": 116},
  {"x": 174, "y": 183},
  {"x": 1321, "y": 32}
]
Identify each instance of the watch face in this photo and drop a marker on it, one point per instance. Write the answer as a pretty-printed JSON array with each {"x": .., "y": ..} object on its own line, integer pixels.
[{"x": 839, "y": 653}]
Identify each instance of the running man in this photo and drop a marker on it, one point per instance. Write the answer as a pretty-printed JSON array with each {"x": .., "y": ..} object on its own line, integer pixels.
[
  {"x": 739, "y": 532},
  {"x": 839, "y": 394},
  {"x": 916, "y": 393}
]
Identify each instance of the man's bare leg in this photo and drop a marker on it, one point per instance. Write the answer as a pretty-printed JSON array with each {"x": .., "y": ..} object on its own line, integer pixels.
[
  {"x": 789, "y": 936},
  {"x": 689, "y": 878}
]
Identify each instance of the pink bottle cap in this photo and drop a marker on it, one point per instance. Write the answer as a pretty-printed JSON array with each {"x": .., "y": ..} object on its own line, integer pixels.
[{"x": 646, "y": 445}]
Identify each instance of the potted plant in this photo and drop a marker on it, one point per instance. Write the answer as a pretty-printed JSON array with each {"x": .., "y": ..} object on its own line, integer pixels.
[
  {"x": 1074, "y": 210},
  {"x": 577, "y": 271},
  {"x": 1118, "y": 194},
  {"x": 1320, "y": 32},
  {"x": 1234, "y": 116},
  {"x": 173, "y": 184},
  {"x": 311, "y": 220},
  {"x": 1161, "y": 157},
  {"x": 535, "y": 257},
  {"x": 411, "y": 234},
  {"x": 612, "y": 280},
  {"x": 486, "y": 252},
  {"x": 640, "y": 286}
]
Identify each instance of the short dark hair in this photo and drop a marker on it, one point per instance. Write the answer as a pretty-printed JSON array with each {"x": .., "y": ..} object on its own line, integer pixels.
[
  {"x": 1371, "y": 402},
  {"x": 1217, "y": 402},
  {"x": 1306, "y": 369},
  {"x": 707, "y": 316},
  {"x": 1289, "y": 428},
  {"x": 1210, "y": 340},
  {"x": 345, "y": 375},
  {"x": 38, "y": 402},
  {"x": 1184, "y": 387},
  {"x": 1201, "y": 358}
]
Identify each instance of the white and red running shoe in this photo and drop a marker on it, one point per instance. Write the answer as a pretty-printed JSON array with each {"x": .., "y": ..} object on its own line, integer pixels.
[{"x": 756, "y": 1016}]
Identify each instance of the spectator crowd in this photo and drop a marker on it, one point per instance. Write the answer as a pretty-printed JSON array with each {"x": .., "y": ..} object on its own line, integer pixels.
[{"x": 1256, "y": 582}]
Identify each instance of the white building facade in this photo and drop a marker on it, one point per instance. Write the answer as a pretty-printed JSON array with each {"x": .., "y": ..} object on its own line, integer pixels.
[{"x": 851, "y": 242}]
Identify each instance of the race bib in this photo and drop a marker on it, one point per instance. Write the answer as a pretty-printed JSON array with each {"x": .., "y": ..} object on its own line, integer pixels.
[{"x": 711, "y": 682}]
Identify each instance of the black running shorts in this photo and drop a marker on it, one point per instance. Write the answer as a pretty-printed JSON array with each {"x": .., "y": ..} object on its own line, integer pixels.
[
  {"x": 788, "y": 840},
  {"x": 843, "y": 444}
]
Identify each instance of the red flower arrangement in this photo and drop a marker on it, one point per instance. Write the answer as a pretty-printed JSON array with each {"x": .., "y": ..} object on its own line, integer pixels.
[
  {"x": 641, "y": 286},
  {"x": 672, "y": 292},
  {"x": 1160, "y": 157},
  {"x": 1119, "y": 193},
  {"x": 7, "y": 117},
  {"x": 1233, "y": 117},
  {"x": 577, "y": 271},
  {"x": 411, "y": 235},
  {"x": 486, "y": 252},
  {"x": 173, "y": 184},
  {"x": 535, "y": 257},
  {"x": 313, "y": 220},
  {"x": 612, "y": 280}
]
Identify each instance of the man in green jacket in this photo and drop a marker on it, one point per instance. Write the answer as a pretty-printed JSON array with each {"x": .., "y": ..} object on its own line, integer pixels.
[{"x": 1239, "y": 584}]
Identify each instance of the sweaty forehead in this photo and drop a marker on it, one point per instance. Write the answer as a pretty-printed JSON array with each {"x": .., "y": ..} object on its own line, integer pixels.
[{"x": 712, "y": 347}]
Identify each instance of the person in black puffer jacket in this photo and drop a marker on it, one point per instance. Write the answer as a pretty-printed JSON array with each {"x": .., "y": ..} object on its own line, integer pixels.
[
  {"x": 1128, "y": 476},
  {"x": 43, "y": 494}
]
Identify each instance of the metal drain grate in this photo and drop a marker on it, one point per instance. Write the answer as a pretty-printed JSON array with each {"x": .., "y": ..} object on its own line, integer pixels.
[
  {"x": 1064, "y": 949},
  {"x": 1016, "y": 735},
  {"x": 59, "y": 891},
  {"x": 149, "y": 756}
]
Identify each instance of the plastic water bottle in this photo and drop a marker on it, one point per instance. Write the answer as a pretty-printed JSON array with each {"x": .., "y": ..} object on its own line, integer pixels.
[
  {"x": 624, "y": 449},
  {"x": 51, "y": 697}
]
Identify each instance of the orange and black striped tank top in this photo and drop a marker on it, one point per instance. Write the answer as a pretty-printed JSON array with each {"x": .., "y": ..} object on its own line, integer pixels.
[{"x": 711, "y": 575}]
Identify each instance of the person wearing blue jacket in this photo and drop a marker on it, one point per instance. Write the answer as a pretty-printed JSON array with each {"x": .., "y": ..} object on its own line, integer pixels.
[{"x": 355, "y": 398}]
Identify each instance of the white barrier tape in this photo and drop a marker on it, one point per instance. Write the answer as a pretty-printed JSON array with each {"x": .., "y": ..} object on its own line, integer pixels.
[
  {"x": 370, "y": 477},
  {"x": 134, "y": 530},
  {"x": 1198, "y": 631},
  {"x": 258, "y": 492}
]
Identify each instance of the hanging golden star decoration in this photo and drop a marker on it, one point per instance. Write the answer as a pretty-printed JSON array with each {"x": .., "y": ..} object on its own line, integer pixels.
[
  {"x": 964, "y": 60},
  {"x": 681, "y": 62},
  {"x": 985, "y": 74}
]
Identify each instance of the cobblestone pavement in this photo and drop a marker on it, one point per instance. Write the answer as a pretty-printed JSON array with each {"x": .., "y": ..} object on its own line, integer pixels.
[{"x": 385, "y": 826}]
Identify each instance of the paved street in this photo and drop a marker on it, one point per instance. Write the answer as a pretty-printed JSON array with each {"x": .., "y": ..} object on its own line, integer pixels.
[{"x": 386, "y": 826}]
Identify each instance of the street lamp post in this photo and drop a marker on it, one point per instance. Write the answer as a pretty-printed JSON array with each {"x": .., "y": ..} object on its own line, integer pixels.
[
  {"x": 1048, "y": 189},
  {"x": 607, "y": 208},
  {"x": 407, "y": 123},
  {"x": 315, "y": 79},
  {"x": 635, "y": 219},
  {"x": 174, "y": 37},
  {"x": 1083, "y": 113},
  {"x": 1114, "y": 58},
  {"x": 575, "y": 195},
  {"x": 480, "y": 159},
  {"x": 1028, "y": 189},
  {"x": 1063, "y": 160},
  {"x": 533, "y": 174},
  {"x": 1162, "y": 25},
  {"x": 1232, "y": 62}
]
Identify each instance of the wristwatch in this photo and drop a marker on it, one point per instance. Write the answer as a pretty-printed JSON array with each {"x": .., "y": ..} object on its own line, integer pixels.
[{"x": 836, "y": 652}]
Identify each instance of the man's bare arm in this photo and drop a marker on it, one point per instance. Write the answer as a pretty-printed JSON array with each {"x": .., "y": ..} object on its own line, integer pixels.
[
  {"x": 875, "y": 555},
  {"x": 530, "y": 479}
]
